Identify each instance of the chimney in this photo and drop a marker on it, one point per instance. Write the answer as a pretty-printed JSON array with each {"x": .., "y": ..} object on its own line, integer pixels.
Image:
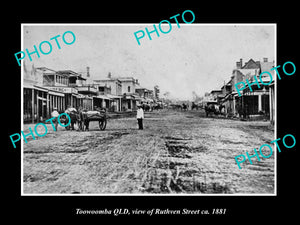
[
  {"x": 109, "y": 75},
  {"x": 136, "y": 81},
  {"x": 238, "y": 65},
  {"x": 241, "y": 61},
  {"x": 265, "y": 59},
  {"x": 87, "y": 71}
]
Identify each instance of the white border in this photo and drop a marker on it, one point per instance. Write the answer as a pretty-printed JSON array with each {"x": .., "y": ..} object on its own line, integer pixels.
[{"x": 149, "y": 24}]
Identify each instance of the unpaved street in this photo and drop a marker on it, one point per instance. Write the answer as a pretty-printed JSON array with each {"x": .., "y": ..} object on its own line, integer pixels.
[{"x": 177, "y": 152}]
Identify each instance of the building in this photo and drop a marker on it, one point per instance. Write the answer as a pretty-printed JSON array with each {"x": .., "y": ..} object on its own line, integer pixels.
[
  {"x": 130, "y": 98},
  {"x": 227, "y": 99},
  {"x": 38, "y": 99},
  {"x": 123, "y": 93},
  {"x": 145, "y": 94},
  {"x": 67, "y": 82},
  {"x": 250, "y": 103},
  {"x": 216, "y": 95},
  {"x": 58, "y": 85},
  {"x": 256, "y": 102},
  {"x": 272, "y": 101},
  {"x": 53, "y": 78},
  {"x": 104, "y": 98},
  {"x": 113, "y": 82},
  {"x": 34, "y": 95},
  {"x": 45, "y": 89},
  {"x": 110, "y": 88}
]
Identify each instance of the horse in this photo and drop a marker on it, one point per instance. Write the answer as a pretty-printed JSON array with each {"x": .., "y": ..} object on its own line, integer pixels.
[
  {"x": 221, "y": 109},
  {"x": 157, "y": 107},
  {"x": 75, "y": 118},
  {"x": 146, "y": 107},
  {"x": 194, "y": 106},
  {"x": 210, "y": 109}
]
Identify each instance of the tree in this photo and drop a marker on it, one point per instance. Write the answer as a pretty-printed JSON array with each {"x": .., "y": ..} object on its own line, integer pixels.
[
  {"x": 195, "y": 96},
  {"x": 166, "y": 94},
  {"x": 156, "y": 92}
]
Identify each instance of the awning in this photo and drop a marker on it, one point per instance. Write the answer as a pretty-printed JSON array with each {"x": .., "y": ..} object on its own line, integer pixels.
[
  {"x": 113, "y": 96},
  {"x": 56, "y": 93},
  {"x": 129, "y": 97},
  {"x": 84, "y": 96},
  {"x": 35, "y": 87},
  {"x": 139, "y": 99},
  {"x": 102, "y": 97}
]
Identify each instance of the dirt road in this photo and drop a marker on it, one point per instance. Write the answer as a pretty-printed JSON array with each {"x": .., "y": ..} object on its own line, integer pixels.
[{"x": 177, "y": 152}]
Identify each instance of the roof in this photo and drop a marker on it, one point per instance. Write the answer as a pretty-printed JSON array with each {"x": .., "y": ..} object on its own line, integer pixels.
[
  {"x": 126, "y": 79},
  {"x": 102, "y": 97},
  {"x": 113, "y": 96},
  {"x": 267, "y": 66},
  {"x": 67, "y": 72},
  {"x": 71, "y": 73},
  {"x": 228, "y": 84},
  {"x": 248, "y": 73},
  {"x": 137, "y": 86},
  {"x": 215, "y": 91},
  {"x": 106, "y": 79},
  {"x": 46, "y": 70},
  {"x": 102, "y": 85},
  {"x": 251, "y": 64}
]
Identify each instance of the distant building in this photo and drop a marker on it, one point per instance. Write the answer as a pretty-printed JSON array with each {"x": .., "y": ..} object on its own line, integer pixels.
[
  {"x": 215, "y": 94},
  {"x": 130, "y": 98},
  {"x": 114, "y": 83},
  {"x": 110, "y": 89},
  {"x": 123, "y": 94},
  {"x": 146, "y": 95}
]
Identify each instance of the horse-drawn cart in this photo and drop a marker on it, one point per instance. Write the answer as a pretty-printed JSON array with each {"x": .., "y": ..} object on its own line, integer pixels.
[
  {"x": 83, "y": 118},
  {"x": 99, "y": 116}
]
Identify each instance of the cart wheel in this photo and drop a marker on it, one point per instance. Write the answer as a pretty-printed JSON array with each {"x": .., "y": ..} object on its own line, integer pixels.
[{"x": 102, "y": 124}]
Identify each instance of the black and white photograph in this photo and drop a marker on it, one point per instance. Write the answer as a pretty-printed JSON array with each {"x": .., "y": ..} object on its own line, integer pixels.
[
  {"x": 149, "y": 111},
  {"x": 165, "y": 109}
]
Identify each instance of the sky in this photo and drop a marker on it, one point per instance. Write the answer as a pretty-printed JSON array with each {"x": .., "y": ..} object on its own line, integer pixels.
[{"x": 194, "y": 57}]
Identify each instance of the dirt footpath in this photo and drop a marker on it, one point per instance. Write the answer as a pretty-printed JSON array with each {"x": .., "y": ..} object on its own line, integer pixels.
[{"x": 177, "y": 152}]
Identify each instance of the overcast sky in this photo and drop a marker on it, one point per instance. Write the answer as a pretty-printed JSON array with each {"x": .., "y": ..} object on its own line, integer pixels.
[{"x": 194, "y": 57}]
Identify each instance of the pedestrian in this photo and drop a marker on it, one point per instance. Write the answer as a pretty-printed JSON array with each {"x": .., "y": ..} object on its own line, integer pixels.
[
  {"x": 140, "y": 116},
  {"x": 55, "y": 114}
]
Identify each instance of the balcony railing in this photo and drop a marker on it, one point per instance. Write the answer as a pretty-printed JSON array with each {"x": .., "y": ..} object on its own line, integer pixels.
[{"x": 87, "y": 89}]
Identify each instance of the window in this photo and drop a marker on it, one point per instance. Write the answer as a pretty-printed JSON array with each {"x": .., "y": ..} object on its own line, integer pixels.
[{"x": 128, "y": 89}]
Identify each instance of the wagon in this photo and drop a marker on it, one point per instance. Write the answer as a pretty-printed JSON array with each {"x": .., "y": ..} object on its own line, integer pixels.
[{"x": 99, "y": 116}]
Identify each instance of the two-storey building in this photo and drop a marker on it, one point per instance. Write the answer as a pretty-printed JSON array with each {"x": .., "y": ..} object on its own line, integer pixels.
[
  {"x": 250, "y": 103},
  {"x": 110, "y": 89},
  {"x": 34, "y": 95}
]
